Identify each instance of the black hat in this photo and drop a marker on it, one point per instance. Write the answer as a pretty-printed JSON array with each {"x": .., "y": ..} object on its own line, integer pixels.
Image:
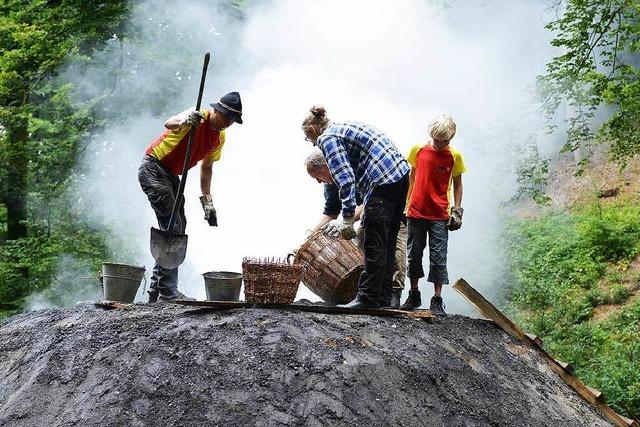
[{"x": 231, "y": 106}]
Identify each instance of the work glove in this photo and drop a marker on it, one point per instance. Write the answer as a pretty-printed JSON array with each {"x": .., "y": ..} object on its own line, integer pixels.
[
  {"x": 346, "y": 228},
  {"x": 332, "y": 228},
  {"x": 194, "y": 118},
  {"x": 209, "y": 210},
  {"x": 455, "y": 219}
]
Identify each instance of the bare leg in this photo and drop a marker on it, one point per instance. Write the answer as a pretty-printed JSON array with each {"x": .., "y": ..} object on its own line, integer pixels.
[{"x": 437, "y": 289}]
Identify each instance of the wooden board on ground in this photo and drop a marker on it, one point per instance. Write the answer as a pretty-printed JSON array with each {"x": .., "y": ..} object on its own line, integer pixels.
[
  {"x": 592, "y": 396},
  {"x": 111, "y": 305},
  {"x": 417, "y": 314}
]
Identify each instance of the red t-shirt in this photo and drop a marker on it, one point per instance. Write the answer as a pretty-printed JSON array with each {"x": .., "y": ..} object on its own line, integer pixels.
[
  {"x": 171, "y": 148},
  {"x": 434, "y": 172}
]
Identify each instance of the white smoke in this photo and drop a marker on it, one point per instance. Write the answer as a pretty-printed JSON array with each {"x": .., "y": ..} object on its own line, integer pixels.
[{"x": 393, "y": 64}]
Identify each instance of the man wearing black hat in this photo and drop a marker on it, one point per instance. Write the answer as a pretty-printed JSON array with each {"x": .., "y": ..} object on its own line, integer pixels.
[{"x": 163, "y": 162}]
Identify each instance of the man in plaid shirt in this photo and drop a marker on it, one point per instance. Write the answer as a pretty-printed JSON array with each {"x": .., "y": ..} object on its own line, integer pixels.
[{"x": 360, "y": 158}]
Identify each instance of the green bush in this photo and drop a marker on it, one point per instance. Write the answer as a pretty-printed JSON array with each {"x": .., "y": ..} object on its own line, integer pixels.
[
  {"x": 30, "y": 265},
  {"x": 612, "y": 232},
  {"x": 557, "y": 264}
]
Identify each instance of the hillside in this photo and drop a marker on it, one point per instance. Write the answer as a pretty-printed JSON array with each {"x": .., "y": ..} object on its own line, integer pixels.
[{"x": 575, "y": 274}]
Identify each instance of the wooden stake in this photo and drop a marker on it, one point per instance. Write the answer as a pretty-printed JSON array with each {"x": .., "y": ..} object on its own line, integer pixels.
[
  {"x": 536, "y": 339},
  {"x": 564, "y": 365}
]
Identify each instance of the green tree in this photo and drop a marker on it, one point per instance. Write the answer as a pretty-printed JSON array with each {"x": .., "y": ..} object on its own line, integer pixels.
[
  {"x": 36, "y": 36},
  {"x": 41, "y": 136},
  {"x": 598, "y": 66}
]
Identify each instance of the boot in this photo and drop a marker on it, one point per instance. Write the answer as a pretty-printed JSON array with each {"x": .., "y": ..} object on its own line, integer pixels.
[
  {"x": 177, "y": 295},
  {"x": 153, "y": 295},
  {"x": 359, "y": 302},
  {"x": 385, "y": 301},
  {"x": 437, "y": 306},
  {"x": 413, "y": 301},
  {"x": 395, "y": 298}
]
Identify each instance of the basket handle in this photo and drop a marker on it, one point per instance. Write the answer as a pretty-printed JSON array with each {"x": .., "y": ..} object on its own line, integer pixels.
[{"x": 291, "y": 254}]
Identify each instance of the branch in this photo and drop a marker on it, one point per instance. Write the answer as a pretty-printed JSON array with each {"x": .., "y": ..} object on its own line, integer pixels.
[{"x": 597, "y": 41}]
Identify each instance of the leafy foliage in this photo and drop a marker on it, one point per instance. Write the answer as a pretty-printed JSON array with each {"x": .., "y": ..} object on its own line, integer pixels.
[
  {"x": 558, "y": 262},
  {"x": 41, "y": 137},
  {"x": 29, "y": 265},
  {"x": 598, "y": 65},
  {"x": 532, "y": 173}
]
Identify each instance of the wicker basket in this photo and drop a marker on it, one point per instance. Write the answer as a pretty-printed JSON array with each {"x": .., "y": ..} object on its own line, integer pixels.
[
  {"x": 270, "y": 281},
  {"x": 332, "y": 267}
]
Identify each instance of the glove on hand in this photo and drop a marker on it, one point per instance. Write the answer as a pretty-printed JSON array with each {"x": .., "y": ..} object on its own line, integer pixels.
[
  {"x": 346, "y": 228},
  {"x": 194, "y": 118},
  {"x": 332, "y": 228},
  {"x": 455, "y": 220},
  {"x": 209, "y": 211}
]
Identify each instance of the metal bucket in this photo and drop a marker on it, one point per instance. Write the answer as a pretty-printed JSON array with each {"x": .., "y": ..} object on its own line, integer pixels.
[
  {"x": 222, "y": 285},
  {"x": 121, "y": 281}
]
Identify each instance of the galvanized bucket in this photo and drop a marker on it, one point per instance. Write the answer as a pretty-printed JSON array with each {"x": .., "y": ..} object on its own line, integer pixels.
[
  {"x": 121, "y": 281},
  {"x": 222, "y": 285}
]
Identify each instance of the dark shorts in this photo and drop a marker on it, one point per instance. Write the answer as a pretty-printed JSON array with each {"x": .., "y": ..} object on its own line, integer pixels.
[{"x": 418, "y": 230}]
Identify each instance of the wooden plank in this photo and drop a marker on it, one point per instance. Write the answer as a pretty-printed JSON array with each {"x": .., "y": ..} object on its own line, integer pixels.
[
  {"x": 215, "y": 304},
  {"x": 111, "y": 305},
  {"x": 418, "y": 314},
  {"x": 489, "y": 310}
]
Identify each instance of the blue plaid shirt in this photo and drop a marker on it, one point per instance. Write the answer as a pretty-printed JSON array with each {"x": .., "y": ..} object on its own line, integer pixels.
[{"x": 360, "y": 157}]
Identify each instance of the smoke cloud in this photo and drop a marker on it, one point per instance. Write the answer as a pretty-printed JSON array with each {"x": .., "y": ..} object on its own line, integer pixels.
[{"x": 393, "y": 64}]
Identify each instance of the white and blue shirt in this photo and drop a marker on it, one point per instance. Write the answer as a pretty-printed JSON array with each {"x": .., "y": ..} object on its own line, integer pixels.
[{"x": 360, "y": 157}]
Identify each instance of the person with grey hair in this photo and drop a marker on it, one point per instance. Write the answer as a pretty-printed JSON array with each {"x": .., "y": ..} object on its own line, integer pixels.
[
  {"x": 361, "y": 159},
  {"x": 329, "y": 224}
]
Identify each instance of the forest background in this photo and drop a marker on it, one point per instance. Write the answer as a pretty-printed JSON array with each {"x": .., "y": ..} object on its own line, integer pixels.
[{"x": 572, "y": 265}]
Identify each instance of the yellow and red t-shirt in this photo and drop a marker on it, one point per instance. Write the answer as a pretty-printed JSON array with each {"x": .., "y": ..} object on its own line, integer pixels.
[
  {"x": 434, "y": 173},
  {"x": 171, "y": 148}
]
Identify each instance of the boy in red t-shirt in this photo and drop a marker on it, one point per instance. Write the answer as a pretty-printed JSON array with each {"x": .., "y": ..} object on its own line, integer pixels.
[{"x": 435, "y": 169}]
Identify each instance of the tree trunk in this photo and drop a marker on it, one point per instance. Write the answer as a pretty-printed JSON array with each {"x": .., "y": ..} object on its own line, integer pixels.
[{"x": 17, "y": 159}]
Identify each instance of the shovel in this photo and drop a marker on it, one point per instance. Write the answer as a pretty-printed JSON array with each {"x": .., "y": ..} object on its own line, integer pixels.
[{"x": 168, "y": 248}]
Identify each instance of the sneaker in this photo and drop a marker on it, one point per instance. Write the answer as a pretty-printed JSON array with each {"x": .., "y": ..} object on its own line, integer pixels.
[
  {"x": 153, "y": 295},
  {"x": 437, "y": 306},
  {"x": 177, "y": 295},
  {"x": 413, "y": 301}
]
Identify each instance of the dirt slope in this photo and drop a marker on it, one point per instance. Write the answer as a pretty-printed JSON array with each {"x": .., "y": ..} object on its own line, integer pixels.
[{"x": 178, "y": 366}]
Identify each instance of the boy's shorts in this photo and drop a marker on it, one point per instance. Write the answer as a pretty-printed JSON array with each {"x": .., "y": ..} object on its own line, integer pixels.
[{"x": 438, "y": 234}]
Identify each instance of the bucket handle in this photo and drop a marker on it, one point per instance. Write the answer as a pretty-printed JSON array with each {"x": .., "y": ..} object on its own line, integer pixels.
[
  {"x": 99, "y": 277},
  {"x": 88, "y": 279}
]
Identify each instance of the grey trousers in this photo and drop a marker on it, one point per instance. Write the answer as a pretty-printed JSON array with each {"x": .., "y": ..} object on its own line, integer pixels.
[
  {"x": 161, "y": 188},
  {"x": 438, "y": 235},
  {"x": 400, "y": 264}
]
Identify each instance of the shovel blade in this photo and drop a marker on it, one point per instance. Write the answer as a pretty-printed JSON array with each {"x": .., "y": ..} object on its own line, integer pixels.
[{"x": 168, "y": 249}]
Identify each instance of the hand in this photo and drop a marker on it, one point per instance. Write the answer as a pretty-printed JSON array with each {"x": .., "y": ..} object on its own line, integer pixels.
[
  {"x": 346, "y": 228},
  {"x": 194, "y": 118},
  {"x": 332, "y": 228},
  {"x": 209, "y": 211},
  {"x": 455, "y": 220}
]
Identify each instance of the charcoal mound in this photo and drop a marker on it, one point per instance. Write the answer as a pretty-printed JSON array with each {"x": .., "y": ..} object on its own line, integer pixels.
[{"x": 172, "y": 366}]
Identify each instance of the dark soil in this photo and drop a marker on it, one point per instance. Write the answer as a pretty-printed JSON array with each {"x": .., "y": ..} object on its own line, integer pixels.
[{"x": 170, "y": 366}]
